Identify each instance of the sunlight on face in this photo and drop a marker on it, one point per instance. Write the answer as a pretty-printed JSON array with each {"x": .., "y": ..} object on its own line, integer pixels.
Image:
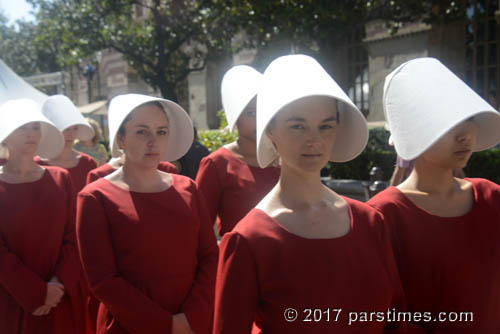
[
  {"x": 25, "y": 139},
  {"x": 146, "y": 136},
  {"x": 454, "y": 149},
  {"x": 304, "y": 133},
  {"x": 246, "y": 123}
]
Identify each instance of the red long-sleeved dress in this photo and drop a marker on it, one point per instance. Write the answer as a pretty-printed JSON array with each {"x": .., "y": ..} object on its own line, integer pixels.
[
  {"x": 37, "y": 242},
  {"x": 107, "y": 169},
  {"x": 232, "y": 187},
  {"x": 147, "y": 256},
  {"x": 264, "y": 271},
  {"x": 78, "y": 173},
  {"x": 448, "y": 264}
]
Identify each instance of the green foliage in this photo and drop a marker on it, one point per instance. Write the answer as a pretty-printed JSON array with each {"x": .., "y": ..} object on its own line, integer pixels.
[
  {"x": 163, "y": 40},
  {"x": 213, "y": 139},
  {"x": 222, "y": 119},
  {"x": 483, "y": 164},
  {"x": 20, "y": 50},
  {"x": 294, "y": 22}
]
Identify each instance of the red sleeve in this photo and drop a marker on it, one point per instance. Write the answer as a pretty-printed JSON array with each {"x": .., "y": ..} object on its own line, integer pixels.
[
  {"x": 135, "y": 312},
  {"x": 92, "y": 176},
  {"x": 398, "y": 298},
  {"x": 209, "y": 185},
  {"x": 27, "y": 288},
  {"x": 68, "y": 264},
  {"x": 236, "y": 291},
  {"x": 199, "y": 304}
]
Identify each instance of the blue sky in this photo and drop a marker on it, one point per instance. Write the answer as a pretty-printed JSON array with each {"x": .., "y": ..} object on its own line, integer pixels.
[{"x": 15, "y": 9}]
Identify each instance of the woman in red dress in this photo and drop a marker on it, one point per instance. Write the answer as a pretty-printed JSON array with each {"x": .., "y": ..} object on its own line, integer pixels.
[
  {"x": 230, "y": 178},
  {"x": 63, "y": 113},
  {"x": 445, "y": 230},
  {"x": 40, "y": 287},
  {"x": 145, "y": 238},
  {"x": 307, "y": 260}
]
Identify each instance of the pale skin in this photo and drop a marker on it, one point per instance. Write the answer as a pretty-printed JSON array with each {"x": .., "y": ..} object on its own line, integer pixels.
[
  {"x": 244, "y": 148},
  {"x": 432, "y": 185},
  {"x": 144, "y": 143},
  {"x": 21, "y": 168},
  {"x": 69, "y": 157},
  {"x": 304, "y": 141}
]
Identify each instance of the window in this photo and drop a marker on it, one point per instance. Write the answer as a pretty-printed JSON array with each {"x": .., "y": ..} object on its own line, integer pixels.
[
  {"x": 359, "y": 86},
  {"x": 481, "y": 38}
]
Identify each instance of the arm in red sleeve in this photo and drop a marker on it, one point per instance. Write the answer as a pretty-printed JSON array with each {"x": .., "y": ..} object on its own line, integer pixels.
[
  {"x": 133, "y": 310},
  {"x": 91, "y": 177},
  {"x": 398, "y": 297},
  {"x": 26, "y": 287},
  {"x": 209, "y": 185},
  {"x": 68, "y": 264},
  {"x": 199, "y": 305},
  {"x": 236, "y": 290}
]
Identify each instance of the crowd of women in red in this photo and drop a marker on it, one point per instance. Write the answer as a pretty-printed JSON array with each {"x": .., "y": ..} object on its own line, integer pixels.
[{"x": 129, "y": 247}]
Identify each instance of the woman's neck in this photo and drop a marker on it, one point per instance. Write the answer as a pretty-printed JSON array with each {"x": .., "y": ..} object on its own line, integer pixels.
[
  {"x": 140, "y": 178},
  {"x": 21, "y": 165},
  {"x": 297, "y": 189},
  {"x": 67, "y": 154},
  {"x": 430, "y": 179}
]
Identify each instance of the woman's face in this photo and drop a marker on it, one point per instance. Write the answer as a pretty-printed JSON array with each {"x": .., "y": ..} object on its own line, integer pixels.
[
  {"x": 25, "y": 139},
  {"x": 454, "y": 149},
  {"x": 246, "y": 123},
  {"x": 146, "y": 136},
  {"x": 304, "y": 133},
  {"x": 70, "y": 134}
]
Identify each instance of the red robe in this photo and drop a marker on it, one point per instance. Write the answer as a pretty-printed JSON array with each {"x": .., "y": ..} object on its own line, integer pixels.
[
  {"x": 232, "y": 187},
  {"x": 148, "y": 256},
  {"x": 78, "y": 173},
  {"x": 93, "y": 175},
  {"x": 448, "y": 264},
  {"x": 2, "y": 161},
  {"x": 37, "y": 242},
  {"x": 107, "y": 169},
  {"x": 265, "y": 270}
]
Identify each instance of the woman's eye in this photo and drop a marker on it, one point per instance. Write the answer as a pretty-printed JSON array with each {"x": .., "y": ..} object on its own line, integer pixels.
[
  {"x": 141, "y": 132},
  {"x": 297, "y": 126},
  {"x": 327, "y": 126},
  {"x": 251, "y": 113},
  {"x": 162, "y": 132}
]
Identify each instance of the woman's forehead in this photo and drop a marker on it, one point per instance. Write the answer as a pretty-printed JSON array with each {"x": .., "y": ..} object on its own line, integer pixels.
[
  {"x": 311, "y": 108},
  {"x": 150, "y": 114}
]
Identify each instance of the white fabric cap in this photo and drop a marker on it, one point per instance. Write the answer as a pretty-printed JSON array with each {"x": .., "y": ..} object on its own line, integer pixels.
[
  {"x": 290, "y": 78},
  {"x": 63, "y": 113},
  {"x": 423, "y": 100},
  {"x": 16, "y": 113},
  {"x": 239, "y": 86},
  {"x": 180, "y": 128}
]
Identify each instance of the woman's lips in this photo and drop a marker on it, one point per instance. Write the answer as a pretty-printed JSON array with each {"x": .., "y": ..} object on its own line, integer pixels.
[{"x": 462, "y": 152}]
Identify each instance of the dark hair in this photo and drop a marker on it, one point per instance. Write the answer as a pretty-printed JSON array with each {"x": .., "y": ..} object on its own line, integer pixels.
[
  {"x": 121, "y": 129},
  {"x": 272, "y": 122}
]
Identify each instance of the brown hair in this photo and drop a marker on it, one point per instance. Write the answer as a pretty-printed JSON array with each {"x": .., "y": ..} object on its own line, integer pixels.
[
  {"x": 121, "y": 129},
  {"x": 97, "y": 131}
]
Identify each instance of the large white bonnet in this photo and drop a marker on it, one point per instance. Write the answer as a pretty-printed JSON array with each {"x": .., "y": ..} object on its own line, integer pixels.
[
  {"x": 180, "y": 129},
  {"x": 290, "y": 78},
  {"x": 16, "y": 113},
  {"x": 64, "y": 114},
  {"x": 239, "y": 86},
  {"x": 423, "y": 100}
]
